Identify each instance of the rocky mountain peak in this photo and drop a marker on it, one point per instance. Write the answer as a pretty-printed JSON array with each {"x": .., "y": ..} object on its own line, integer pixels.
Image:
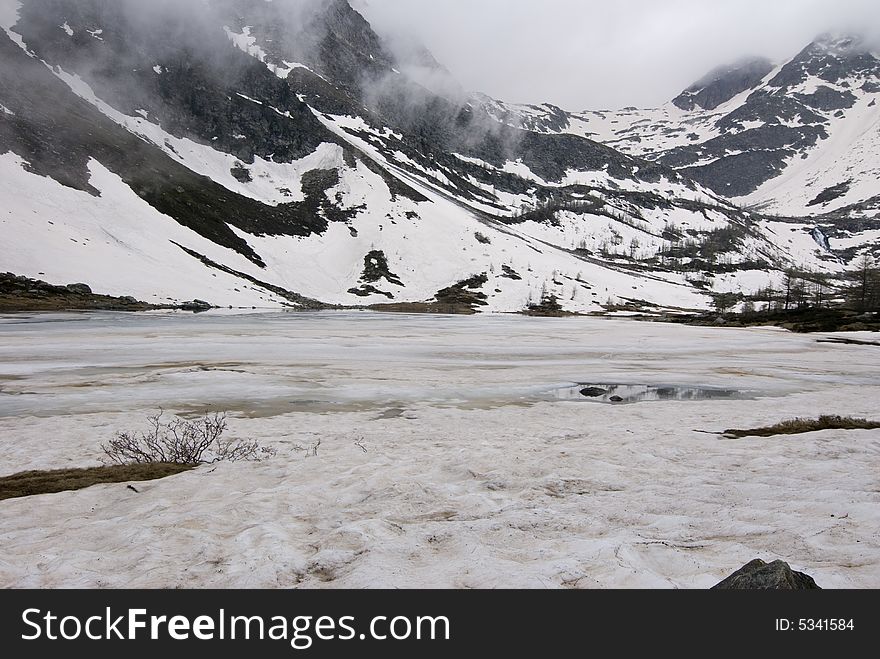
[
  {"x": 831, "y": 58},
  {"x": 723, "y": 83},
  {"x": 839, "y": 44}
]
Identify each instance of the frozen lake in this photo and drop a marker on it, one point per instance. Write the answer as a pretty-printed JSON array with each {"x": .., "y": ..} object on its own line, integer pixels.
[{"x": 485, "y": 466}]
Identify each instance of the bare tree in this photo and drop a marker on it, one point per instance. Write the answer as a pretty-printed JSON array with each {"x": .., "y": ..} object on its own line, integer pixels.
[
  {"x": 724, "y": 301},
  {"x": 865, "y": 290},
  {"x": 180, "y": 441}
]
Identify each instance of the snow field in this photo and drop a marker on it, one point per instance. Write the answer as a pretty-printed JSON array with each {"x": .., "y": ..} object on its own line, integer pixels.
[{"x": 468, "y": 480}]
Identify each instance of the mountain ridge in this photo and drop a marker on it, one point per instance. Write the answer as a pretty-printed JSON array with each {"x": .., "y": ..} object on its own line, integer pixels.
[
  {"x": 758, "y": 121},
  {"x": 270, "y": 176}
]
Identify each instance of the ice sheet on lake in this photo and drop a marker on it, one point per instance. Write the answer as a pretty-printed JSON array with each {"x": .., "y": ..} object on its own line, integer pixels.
[{"x": 471, "y": 477}]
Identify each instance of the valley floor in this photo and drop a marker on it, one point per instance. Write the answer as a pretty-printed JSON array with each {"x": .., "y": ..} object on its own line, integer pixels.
[{"x": 432, "y": 451}]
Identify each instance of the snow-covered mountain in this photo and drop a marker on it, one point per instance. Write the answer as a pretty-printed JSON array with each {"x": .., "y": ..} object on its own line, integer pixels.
[
  {"x": 264, "y": 153},
  {"x": 798, "y": 138}
]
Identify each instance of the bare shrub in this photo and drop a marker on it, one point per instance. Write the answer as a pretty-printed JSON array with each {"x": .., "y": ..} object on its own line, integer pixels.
[
  {"x": 798, "y": 426},
  {"x": 178, "y": 441}
]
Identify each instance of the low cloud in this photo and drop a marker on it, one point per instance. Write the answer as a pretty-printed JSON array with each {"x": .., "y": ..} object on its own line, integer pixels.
[{"x": 590, "y": 54}]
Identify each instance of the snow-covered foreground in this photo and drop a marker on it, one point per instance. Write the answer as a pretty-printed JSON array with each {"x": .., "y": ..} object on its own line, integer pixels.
[{"x": 474, "y": 474}]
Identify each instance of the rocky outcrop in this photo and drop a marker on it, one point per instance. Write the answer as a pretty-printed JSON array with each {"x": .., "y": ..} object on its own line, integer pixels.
[
  {"x": 19, "y": 293},
  {"x": 758, "y": 575},
  {"x": 197, "y": 306},
  {"x": 779, "y": 120},
  {"x": 375, "y": 270},
  {"x": 593, "y": 392},
  {"x": 723, "y": 83},
  {"x": 465, "y": 293}
]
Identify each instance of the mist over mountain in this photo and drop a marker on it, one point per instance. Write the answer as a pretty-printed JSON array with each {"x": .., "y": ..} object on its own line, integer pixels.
[
  {"x": 723, "y": 83},
  {"x": 587, "y": 54}
]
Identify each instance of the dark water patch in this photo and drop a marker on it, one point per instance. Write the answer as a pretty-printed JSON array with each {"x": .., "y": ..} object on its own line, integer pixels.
[
  {"x": 391, "y": 413},
  {"x": 638, "y": 393}
]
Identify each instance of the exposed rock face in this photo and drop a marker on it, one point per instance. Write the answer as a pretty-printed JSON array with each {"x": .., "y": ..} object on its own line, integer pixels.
[
  {"x": 741, "y": 127},
  {"x": 544, "y": 118},
  {"x": 213, "y": 93},
  {"x": 82, "y": 289},
  {"x": 510, "y": 273},
  {"x": 465, "y": 293},
  {"x": 723, "y": 84},
  {"x": 375, "y": 270},
  {"x": 197, "y": 93},
  {"x": 758, "y": 575},
  {"x": 58, "y": 133},
  {"x": 786, "y": 117},
  {"x": 830, "y": 194},
  {"x": 832, "y": 58},
  {"x": 197, "y": 306},
  {"x": 19, "y": 293}
]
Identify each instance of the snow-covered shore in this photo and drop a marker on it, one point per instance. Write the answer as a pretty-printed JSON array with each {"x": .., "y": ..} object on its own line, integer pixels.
[{"x": 473, "y": 475}]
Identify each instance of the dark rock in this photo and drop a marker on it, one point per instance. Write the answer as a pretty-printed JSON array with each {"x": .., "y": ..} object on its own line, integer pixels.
[
  {"x": 19, "y": 293},
  {"x": 832, "y": 193},
  {"x": 825, "y": 98},
  {"x": 616, "y": 399},
  {"x": 376, "y": 269},
  {"x": 510, "y": 273},
  {"x": 723, "y": 84},
  {"x": 593, "y": 392},
  {"x": 196, "y": 305},
  {"x": 465, "y": 293},
  {"x": 760, "y": 153},
  {"x": 785, "y": 123},
  {"x": 82, "y": 289},
  {"x": 241, "y": 173},
  {"x": 758, "y": 575},
  {"x": 58, "y": 133},
  {"x": 367, "y": 290}
]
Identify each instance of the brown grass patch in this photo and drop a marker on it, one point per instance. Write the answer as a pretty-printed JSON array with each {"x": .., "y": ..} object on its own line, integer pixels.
[
  {"x": 29, "y": 483},
  {"x": 799, "y": 426}
]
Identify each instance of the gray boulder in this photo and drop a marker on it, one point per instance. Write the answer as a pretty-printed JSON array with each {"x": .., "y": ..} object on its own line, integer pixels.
[
  {"x": 593, "y": 392},
  {"x": 196, "y": 305},
  {"x": 82, "y": 289},
  {"x": 758, "y": 575}
]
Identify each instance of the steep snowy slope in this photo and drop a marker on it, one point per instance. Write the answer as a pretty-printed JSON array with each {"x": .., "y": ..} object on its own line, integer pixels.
[
  {"x": 228, "y": 155},
  {"x": 842, "y": 170},
  {"x": 496, "y": 146}
]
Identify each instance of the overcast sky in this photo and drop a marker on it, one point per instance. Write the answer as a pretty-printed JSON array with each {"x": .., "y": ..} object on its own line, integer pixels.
[{"x": 597, "y": 54}]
